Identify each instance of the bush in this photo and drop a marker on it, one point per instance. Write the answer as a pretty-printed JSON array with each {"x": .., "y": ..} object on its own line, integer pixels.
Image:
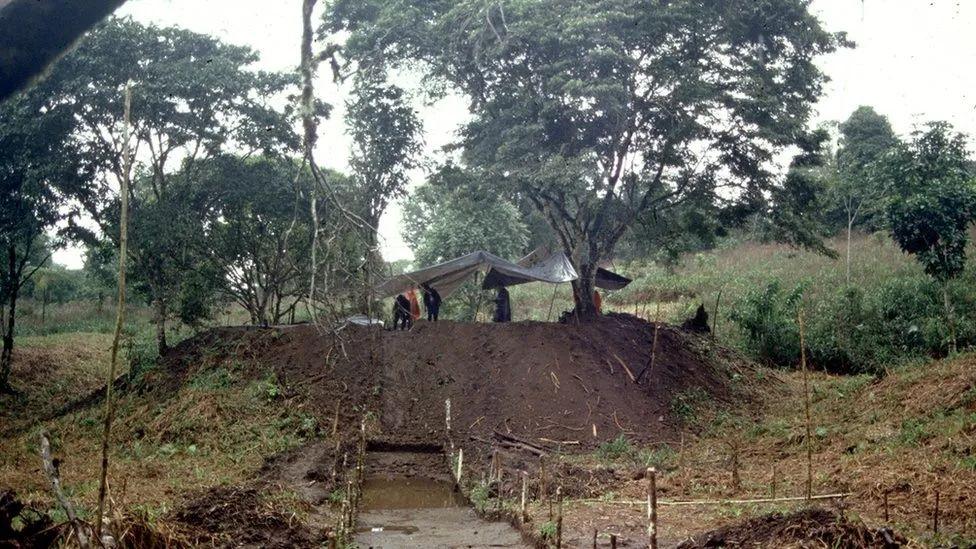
[{"x": 768, "y": 319}]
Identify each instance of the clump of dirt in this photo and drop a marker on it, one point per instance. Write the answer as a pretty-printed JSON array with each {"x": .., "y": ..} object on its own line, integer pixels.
[
  {"x": 816, "y": 527},
  {"x": 234, "y": 517}
]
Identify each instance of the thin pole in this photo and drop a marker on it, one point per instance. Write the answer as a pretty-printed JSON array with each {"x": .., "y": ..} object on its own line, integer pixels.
[
  {"x": 525, "y": 495},
  {"x": 552, "y": 302},
  {"x": 806, "y": 405},
  {"x": 652, "y": 508},
  {"x": 119, "y": 315},
  {"x": 559, "y": 517}
]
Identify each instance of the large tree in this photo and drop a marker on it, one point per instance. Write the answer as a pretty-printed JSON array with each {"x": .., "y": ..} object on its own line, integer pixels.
[
  {"x": 258, "y": 230},
  {"x": 600, "y": 111},
  {"x": 865, "y": 137},
  {"x": 40, "y": 178},
  {"x": 193, "y": 97},
  {"x": 385, "y": 133},
  {"x": 932, "y": 203}
]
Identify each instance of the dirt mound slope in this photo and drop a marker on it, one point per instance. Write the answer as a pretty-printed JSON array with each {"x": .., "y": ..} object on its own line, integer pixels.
[
  {"x": 231, "y": 517},
  {"x": 815, "y": 527},
  {"x": 565, "y": 384}
]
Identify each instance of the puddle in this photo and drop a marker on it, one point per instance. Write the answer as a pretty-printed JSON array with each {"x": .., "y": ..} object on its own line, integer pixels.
[
  {"x": 408, "y": 493},
  {"x": 401, "y": 509}
]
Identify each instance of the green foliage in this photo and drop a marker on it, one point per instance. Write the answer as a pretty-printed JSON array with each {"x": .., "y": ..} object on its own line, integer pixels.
[
  {"x": 480, "y": 496},
  {"x": 547, "y": 531},
  {"x": 569, "y": 112},
  {"x": 614, "y": 449},
  {"x": 192, "y": 97},
  {"x": 934, "y": 199},
  {"x": 768, "y": 316},
  {"x": 454, "y": 214}
]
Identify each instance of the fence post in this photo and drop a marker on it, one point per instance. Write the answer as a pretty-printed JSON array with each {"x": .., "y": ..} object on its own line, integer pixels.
[
  {"x": 559, "y": 517},
  {"x": 652, "y": 508}
]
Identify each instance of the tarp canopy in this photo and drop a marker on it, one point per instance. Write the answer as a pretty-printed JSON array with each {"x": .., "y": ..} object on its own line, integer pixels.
[
  {"x": 541, "y": 259},
  {"x": 447, "y": 276}
]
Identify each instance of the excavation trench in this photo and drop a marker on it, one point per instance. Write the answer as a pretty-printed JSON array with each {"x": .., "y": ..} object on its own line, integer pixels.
[{"x": 409, "y": 500}]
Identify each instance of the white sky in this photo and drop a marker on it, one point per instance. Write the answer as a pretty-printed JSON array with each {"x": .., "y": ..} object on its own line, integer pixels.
[{"x": 913, "y": 62}]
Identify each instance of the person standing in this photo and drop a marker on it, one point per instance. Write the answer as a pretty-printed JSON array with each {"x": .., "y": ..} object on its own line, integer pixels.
[
  {"x": 503, "y": 306},
  {"x": 432, "y": 302},
  {"x": 414, "y": 305},
  {"x": 401, "y": 313}
]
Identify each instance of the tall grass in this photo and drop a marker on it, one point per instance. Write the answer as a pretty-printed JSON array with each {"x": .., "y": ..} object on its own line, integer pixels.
[{"x": 889, "y": 312}]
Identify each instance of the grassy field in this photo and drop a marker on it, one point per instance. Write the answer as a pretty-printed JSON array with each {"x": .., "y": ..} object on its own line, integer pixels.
[{"x": 215, "y": 430}]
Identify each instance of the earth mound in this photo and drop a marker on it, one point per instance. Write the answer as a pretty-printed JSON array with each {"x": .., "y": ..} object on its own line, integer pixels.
[
  {"x": 574, "y": 385},
  {"x": 815, "y": 527}
]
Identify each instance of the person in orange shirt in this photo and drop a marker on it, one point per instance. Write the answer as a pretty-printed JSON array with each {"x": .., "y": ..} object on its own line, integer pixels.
[{"x": 414, "y": 304}]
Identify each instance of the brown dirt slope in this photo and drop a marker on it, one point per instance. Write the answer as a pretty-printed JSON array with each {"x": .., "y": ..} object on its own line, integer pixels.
[
  {"x": 814, "y": 527},
  {"x": 540, "y": 381}
]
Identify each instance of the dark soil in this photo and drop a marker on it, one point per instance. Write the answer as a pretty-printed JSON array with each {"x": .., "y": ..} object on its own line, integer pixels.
[
  {"x": 545, "y": 382},
  {"x": 556, "y": 386},
  {"x": 816, "y": 527},
  {"x": 228, "y": 517}
]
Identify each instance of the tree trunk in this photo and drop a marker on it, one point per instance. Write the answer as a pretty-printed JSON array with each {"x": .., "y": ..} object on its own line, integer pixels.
[
  {"x": 583, "y": 289},
  {"x": 850, "y": 224},
  {"x": 43, "y": 309},
  {"x": 6, "y": 357},
  {"x": 950, "y": 316},
  {"x": 160, "y": 320}
]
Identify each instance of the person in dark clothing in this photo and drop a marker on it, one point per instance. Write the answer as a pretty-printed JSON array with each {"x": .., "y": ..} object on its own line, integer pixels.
[
  {"x": 401, "y": 313},
  {"x": 432, "y": 302},
  {"x": 503, "y": 306}
]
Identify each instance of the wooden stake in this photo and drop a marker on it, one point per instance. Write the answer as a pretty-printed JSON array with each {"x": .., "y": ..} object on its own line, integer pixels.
[
  {"x": 543, "y": 484},
  {"x": 772, "y": 487},
  {"x": 806, "y": 404},
  {"x": 613, "y": 541},
  {"x": 552, "y": 302},
  {"x": 119, "y": 315},
  {"x": 715, "y": 314},
  {"x": 657, "y": 326},
  {"x": 335, "y": 420},
  {"x": 54, "y": 477},
  {"x": 525, "y": 495},
  {"x": 886, "y": 506},
  {"x": 652, "y": 508},
  {"x": 935, "y": 515},
  {"x": 594, "y": 538},
  {"x": 460, "y": 465},
  {"x": 559, "y": 517},
  {"x": 447, "y": 415}
]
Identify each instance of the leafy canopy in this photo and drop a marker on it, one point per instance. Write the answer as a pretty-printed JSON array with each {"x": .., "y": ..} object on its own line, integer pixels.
[
  {"x": 933, "y": 198},
  {"x": 601, "y": 110}
]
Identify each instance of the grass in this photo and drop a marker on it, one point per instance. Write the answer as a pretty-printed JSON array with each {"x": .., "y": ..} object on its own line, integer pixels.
[{"x": 216, "y": 429}]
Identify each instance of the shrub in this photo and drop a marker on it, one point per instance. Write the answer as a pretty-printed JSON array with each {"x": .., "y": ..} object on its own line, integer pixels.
[{"x": 767, "y": 317}]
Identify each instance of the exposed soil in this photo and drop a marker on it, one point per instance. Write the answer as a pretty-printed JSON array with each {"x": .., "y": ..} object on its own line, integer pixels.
[
  {"x": 553, "y": 384},
  {"x": 811, "y": 528},
  {"x": 229, "y": 517}
]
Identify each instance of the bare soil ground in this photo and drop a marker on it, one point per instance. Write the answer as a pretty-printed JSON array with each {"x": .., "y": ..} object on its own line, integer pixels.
[{"x": 714, "y": 426}]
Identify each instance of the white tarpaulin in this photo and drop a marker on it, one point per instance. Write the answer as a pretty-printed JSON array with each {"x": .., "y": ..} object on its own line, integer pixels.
[{"x": 447, "y": 276}]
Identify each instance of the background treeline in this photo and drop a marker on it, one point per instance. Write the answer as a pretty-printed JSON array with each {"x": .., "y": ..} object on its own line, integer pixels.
[
  {"x": 229, "y": 225},
  {"x": 224, "y": 212}
]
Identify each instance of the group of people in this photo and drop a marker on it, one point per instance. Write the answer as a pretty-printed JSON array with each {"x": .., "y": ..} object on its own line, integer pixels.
[{"x": 406, "y": 309}]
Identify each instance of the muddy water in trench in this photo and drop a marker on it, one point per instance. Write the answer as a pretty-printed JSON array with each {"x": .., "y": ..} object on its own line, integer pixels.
[{"x": 409, "y": 501}]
